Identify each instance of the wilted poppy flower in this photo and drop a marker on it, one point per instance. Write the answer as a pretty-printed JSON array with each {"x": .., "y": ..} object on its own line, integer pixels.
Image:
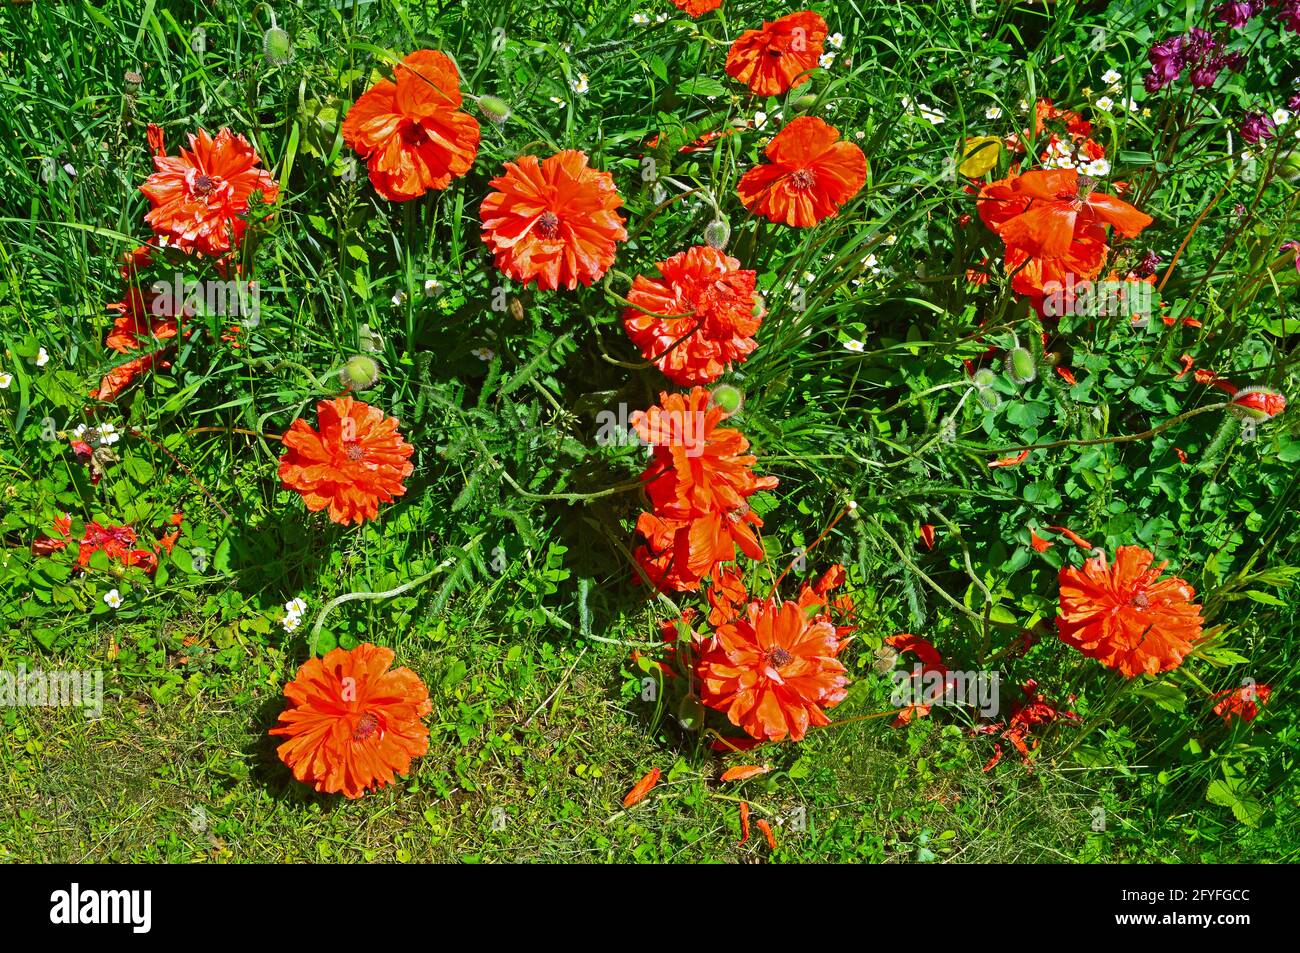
[
  {"x": 696, "y": 467},
  {"x": 552, "y": 221},
  {"x": 698, "y": 319},
  {"x": 412, "y": 132},
  {"x": 1244, "y": 702},
  {"x": 352, "y": 724},
  {"x": 1258, "y": 403},
  {"x": 142, "y": 317},
  {"x": 200, "y": 197},
  {"x": 775, "y": 59},
  {"x": 1061, "y": 201},
  {"x": 1126, "y": 616},
  {"x": 357, "y": 460},
  {"x": 809, "y": 175},
  {"x": 120, "y": 377},
  {"x": 773, "y": 672}
]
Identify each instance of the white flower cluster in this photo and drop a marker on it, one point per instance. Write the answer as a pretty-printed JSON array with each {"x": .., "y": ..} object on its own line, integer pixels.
[
  {"x": 929, "y": 113},
  {"x": 1061, "y": 156},
  {"x": 293, "y": 610},
  {"x": 104, "y": 435}
]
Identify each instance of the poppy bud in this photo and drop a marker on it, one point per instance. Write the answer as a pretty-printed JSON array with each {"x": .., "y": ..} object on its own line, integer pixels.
[
  {"x": 984, "y": 377},
  {"x": 805, "y": 102},
  {"x": 360, "y": 373},
  {"x": 133, "y": 81},
  {"x": 1257, "y": 403},
  {"x": 1020, "y": 366},
  {"x": 495, "y": 109},
  {"x": 729, "y": 398},
  {"x": 717, "y": 233},
  {"x": 690, "y": 713},
  {"x": 990, "y": 398},
  {"x": 277, "y": 47}
]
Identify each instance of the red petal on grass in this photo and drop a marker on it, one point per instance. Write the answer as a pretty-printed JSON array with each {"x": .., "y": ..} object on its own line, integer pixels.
[
  {"x": 927, "y": 535},
  {"x": 1073, "y": 537},
  {"x": 744, "y": 821},
  {"x": 766, "y": 828},
  {"x": 743, "y": 772},
  {"x": 642, "y": 788}
]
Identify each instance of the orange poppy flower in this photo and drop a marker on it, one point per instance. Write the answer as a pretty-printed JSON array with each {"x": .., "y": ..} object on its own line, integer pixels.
[
  {"x": 773, "y": 672},
  {"x": 679, "y": 553},
  {"x": 726, "y": 593},
  {"x": 553, "y": 221},
  {"x": 139, "y": 319},
  {"x": 775, "y": 59},
  {"x": 200, "y": 197},
  {"x": 809, "y": 175},
  {"x": 1126, "y": 616},
  {"x": 357, "y": 460},
  {"x": 351, "y": 723},
  {"x": 701, "y": 316},
  {"x": 1060, "y": 202},
  {"x": 412, "y": 132},
  {"x": 696, "y": 8},
  {"x": 696, "y": 467},
  {"x": 120, "y": 377}
]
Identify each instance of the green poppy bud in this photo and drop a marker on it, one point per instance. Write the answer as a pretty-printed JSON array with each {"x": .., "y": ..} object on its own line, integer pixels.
[
  {"x": 360, "y": 373},
  {"x": 729, "y": 398},
  {"x": 717, "y": 233},
  {"x": 495, "y": 109},
  {"x": 1020, "y": 366},
  {"x": 277, "y": 47}
]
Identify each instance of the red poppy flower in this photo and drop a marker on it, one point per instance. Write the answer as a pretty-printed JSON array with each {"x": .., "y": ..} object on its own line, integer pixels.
[
  {"x": 142, "y": 317},
  {"x": 412, "y": 132},
  {"x": 1243, "y": 703},
  {"x": 1060, "y": 202},
  {"x": 352, "y": 724},
  {"x": 698, "y": 320},
  {"x": 200, "y": 197},
  {"x": 725, "y": 595},
  {"x": 357, "y": 460},
  {"x": 697, "y": 468},
  {"x": 679, "y": 553},
  {"x": 1040, "y": 545},
  {"x": 696, "y": 8},
  {"x": 1126, "y": 616},
  {"x": 773, "y": 672},
  {"x": 1259, "y": 403},
  {"x": 553, "y": 221},
  {"x": 773, "y": 60},
  {"x": 120, "y": 377},
  {"x": 809, "y": 175}
]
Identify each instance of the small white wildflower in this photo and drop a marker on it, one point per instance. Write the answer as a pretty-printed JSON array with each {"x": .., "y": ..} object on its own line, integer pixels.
[
  {"x": 291, "y": 621},
  {"x": 1132, "y": 105},
  {"x": 933, "y": 115},
  {"x": 1111, "y": 77},
  {"x": 1023, "y": 106},
  {"x": 42, "y": 357},
  {"x": 993, "y": 112},
  {"x": 1097, "y": 168},
  {"x": 908, "y": 102},
  {"x": 661, "y": 18},
  {"x": 399, "y": 299},
  {"x": 870, "y": 262},
  {"x": 809, "y": 277},
  {"x": 836, "y": 40},
  {"x": 113, "y": 599},
  {"x": 859, "y": 134},
  {"x": 295, "y": 606},
  {"x": 1105, "y": 103},
  {"x": 5, "y": 380},
  {"x": 484, "y": 354},
  {"x": 1281, "y": 117},
  {"x": 580, "y": 85},
  {"x": 826, "y": 60},
  {"x": 79, "y": 431},
  {"x": 890, "y": 240},
  {"x": 760, "y": 119},
  {"x": 432, "y": 287},
  {"x": 558, "y": 101},
  {"x": 854, "y": 345},
  {"x": 640, "y": 19},
  {"x": 108, "y": 434}
]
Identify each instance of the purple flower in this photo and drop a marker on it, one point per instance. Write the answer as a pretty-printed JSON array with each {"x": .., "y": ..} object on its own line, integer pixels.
[
  {"x": 1235, "y": 61},
  {"x": 1288, "y": 12},
  {"x": 1293, "y": 103},
  {"x": 1167, "y": 60},
  {"x": 1256, "y": 126},
  {"x": 1206, "y": 72},
  {"x": 1200, "y": 43},
  {"x": 1237, "y": 13},
  {"x": 1148, "y": 264}
]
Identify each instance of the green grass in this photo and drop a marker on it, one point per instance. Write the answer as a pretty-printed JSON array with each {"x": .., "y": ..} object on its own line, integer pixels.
[{"x": 525, "y": 628}]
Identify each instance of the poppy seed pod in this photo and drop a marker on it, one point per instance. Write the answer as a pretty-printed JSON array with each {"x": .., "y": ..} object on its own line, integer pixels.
[
  {"x": 717, "y": 233},
  {"x": 360, "y": 373},
  {"x": 1020, "y": 366},
  {"x": 495, "y": 109},
  {"x": 805, "y": 102},
  {"x": 277, "y": 47},
  {"x": 729, "y": 398}
]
